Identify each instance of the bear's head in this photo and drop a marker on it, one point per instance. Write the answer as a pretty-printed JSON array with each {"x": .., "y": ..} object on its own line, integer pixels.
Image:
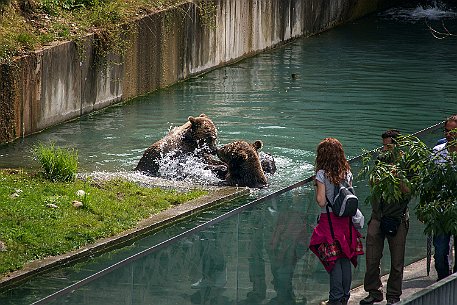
[
  {"x": 242, "y": 159},
  {"x": 203, "y": 133}
]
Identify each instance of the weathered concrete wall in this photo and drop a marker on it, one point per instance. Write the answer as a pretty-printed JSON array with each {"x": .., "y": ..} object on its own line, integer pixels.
[{"x": 60, "y": 83}]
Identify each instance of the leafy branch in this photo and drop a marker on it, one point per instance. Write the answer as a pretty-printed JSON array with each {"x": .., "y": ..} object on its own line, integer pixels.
[
  {"x": 393, "y": 173},
  {"x": 414, "y": 166}
]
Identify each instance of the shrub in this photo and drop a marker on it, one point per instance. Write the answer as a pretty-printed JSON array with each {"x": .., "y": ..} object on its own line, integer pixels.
[
  {"x": 423, "y": 171},
  {"x": 58, "y": 164}
]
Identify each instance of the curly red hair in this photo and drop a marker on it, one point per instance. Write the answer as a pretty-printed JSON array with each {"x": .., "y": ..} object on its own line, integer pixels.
[{"x": 330, "y": 158}]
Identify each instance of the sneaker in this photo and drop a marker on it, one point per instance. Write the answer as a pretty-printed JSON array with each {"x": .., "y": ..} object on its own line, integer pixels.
[
  {"x": 331, "y": 303},
  {"x": 392, "y": 301},
  {"x": 370, "y": 300},
  {"x": 200, "y": 284},
  {"x": 218, "y": 280}
]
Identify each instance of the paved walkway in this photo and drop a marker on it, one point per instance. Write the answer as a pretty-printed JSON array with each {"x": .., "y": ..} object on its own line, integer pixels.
[{"x": 414, "y": 279}]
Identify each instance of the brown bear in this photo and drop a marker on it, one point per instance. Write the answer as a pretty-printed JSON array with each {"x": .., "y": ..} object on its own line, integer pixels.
[
  {"x": 244, "y": 168},
  {"x": 199, "y": 133}
]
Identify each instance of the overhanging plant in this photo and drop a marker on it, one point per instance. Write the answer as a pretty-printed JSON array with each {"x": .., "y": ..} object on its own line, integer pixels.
[
  {"x": 414, "y": 165},
  {"x": 391, "y": 172}
]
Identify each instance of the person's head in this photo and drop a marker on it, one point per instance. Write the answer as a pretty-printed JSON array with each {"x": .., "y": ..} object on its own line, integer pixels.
[
  {"x": 330, "y": 157},
  {"x": 389, "y": 139},
  {"x": 449, "y": 125}
]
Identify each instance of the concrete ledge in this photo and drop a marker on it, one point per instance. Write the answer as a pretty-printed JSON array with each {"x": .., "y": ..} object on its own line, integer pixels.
[{"x": 157, "y": 221}]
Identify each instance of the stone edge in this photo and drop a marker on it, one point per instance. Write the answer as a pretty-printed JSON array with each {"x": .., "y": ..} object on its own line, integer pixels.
[{"x": 156, "y": 221}]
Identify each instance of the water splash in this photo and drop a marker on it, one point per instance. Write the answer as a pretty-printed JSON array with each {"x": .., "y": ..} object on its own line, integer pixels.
[
  {"x": 435, "y": 11},
  {"x": 189, "y": 167}
]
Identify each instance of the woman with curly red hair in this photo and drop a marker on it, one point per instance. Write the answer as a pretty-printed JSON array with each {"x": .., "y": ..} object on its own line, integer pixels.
[{"x": 335, "y": 241}]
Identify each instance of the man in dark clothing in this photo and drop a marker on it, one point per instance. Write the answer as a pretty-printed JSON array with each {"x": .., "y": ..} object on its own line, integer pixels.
[{"x": 398, "y": 213}]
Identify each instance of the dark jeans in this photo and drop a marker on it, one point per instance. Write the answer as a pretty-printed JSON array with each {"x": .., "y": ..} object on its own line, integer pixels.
[
  {"x": 340, "y": 280},
  {"x": 441, "y": 244}
]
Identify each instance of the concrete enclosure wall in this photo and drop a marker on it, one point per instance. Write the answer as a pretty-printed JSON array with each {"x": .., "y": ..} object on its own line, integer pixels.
[{"x": 63, "y": 82}]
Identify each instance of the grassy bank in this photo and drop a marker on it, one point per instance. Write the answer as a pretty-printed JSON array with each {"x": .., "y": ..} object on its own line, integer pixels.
[
  {"x": 39, "y": 218},
  {"x": 26, "y": 25}
]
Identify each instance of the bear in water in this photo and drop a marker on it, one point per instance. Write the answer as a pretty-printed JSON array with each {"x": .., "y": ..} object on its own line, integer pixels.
[
  {"x": 198, "y": 134},
  {"x": 243, "y": 163}
]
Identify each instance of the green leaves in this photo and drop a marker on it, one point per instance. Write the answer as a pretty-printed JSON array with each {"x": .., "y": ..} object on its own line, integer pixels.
[
  {"x": 438, "y": 195},
  {"x": 438, "y": 216},
  {"x": 414, "y": 166},
  {"x": 395, "y": 173}
]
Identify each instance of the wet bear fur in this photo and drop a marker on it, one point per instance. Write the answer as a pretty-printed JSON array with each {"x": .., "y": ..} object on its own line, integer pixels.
[
  {"x": 268, "y": 162},
  {"x": 243, "y": 163},
  {"x": 197, "y": 133}
]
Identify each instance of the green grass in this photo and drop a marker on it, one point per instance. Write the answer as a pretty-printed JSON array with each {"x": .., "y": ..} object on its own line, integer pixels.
[
  {"x": 58, "y": 163},
  {"x": 38, "y": 219}
]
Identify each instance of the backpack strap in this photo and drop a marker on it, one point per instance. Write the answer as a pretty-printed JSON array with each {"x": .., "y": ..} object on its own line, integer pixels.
[
  {"x": 330, "y": 222},
  {"x": 336, "y": 189}
]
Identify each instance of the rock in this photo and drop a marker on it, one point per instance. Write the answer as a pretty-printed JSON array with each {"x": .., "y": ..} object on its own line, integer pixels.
[
  {"x": 77, "y": 204},
  {"x": 80, "y": 193}
]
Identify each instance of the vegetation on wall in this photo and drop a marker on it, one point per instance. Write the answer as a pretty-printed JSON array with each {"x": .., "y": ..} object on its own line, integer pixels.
[
  {"x": 26, "y": 25},
  {"x": 29, "y": 24}
]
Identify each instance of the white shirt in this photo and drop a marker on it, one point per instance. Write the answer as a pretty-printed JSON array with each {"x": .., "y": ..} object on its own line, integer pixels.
[{"x": 441, "y": 153}]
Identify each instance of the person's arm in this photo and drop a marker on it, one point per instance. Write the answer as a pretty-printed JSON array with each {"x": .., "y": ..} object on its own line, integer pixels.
[{"x": 320, "y": 193}]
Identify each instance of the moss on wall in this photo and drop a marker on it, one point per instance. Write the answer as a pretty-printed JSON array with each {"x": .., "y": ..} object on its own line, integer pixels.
[{"x": 7, "y": 94}]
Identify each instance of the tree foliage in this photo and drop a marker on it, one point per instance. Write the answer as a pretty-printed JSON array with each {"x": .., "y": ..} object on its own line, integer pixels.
[
  {"x": 412, "y": 164},
  {"x": 389, "y": 172},
  {"x": 437, "y": 206}
]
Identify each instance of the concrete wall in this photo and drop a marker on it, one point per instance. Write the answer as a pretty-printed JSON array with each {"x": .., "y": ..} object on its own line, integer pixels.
[{"x": 62, "y": 82}]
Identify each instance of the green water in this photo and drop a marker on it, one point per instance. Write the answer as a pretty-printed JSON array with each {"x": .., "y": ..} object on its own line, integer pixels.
[{"x": 353, "y": 82}]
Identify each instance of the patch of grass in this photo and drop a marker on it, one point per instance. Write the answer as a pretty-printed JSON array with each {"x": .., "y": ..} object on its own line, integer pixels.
[
  {"x": 58, "y": 164},
  {"x": 38, "y": 218}
]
